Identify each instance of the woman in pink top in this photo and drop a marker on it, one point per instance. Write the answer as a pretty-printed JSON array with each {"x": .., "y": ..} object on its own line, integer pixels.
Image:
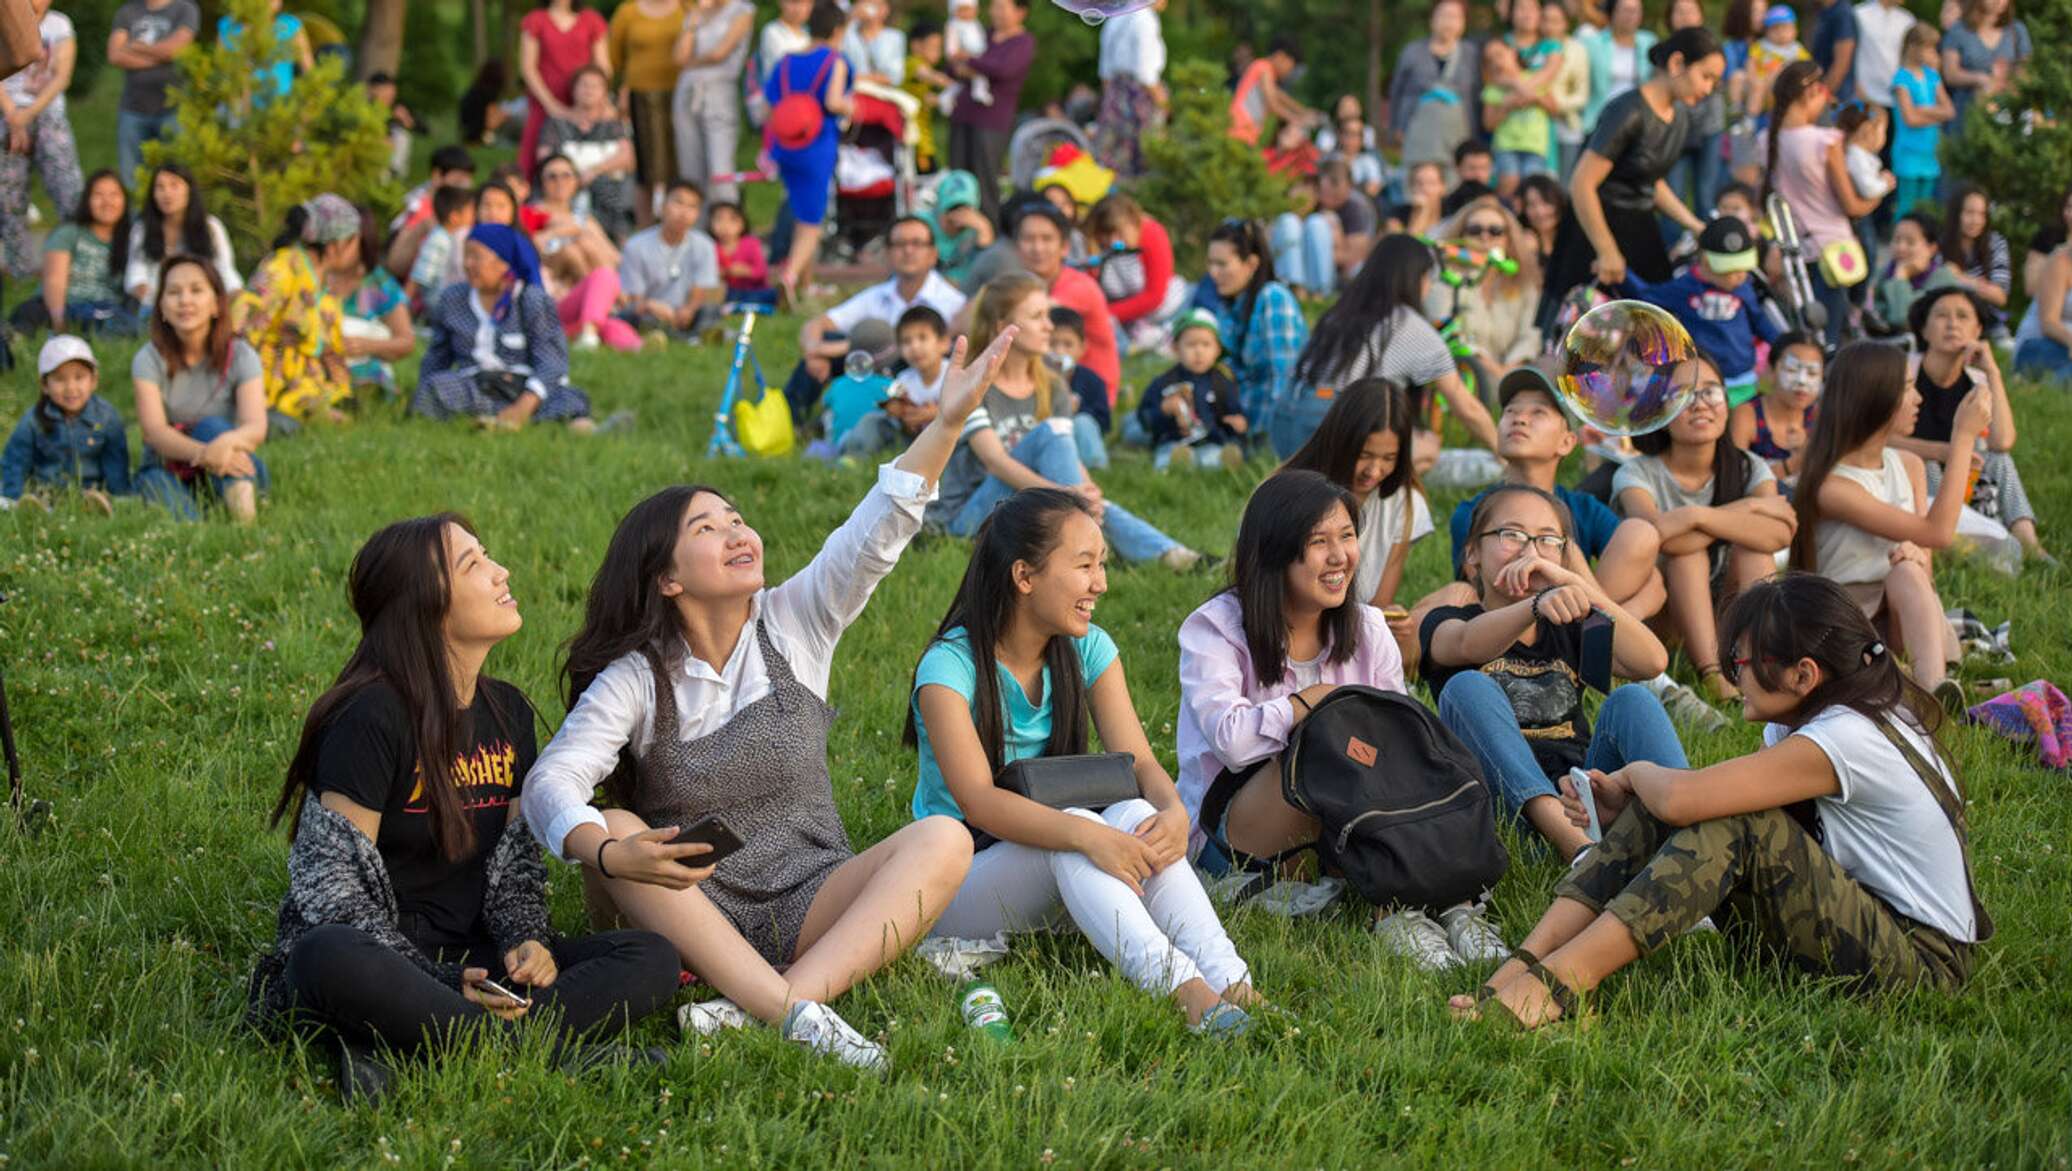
[
  {"x": 555, "y": 41},
  {"x": 1809, "y": 167}
]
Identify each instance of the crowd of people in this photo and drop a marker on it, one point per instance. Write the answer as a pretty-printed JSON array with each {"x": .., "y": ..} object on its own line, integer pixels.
[{"x": 1570, "y": 157}]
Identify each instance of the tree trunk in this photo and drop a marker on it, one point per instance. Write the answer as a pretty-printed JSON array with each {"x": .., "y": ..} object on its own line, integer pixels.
[
  {"x": 1376, "y": 116},
  {"x": 381, "y": 38},
  {"x": 478, "y": 14}
]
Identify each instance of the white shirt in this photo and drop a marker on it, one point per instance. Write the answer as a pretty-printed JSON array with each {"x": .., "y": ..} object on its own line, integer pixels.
[
  {"x": 805, "y": 617},
  {"x": 882, "y": 302},
  {"x": 24, "y": 84},
  {"x": 143, "y": 271},
  {"x": 1885, "y": 828},
  {"x": 918, "y": 391},
  {"x": 778, "y": 41},
  {"x": 1133, "y": 45},
  {"x": 1381, "y": 530},
  {"x": 1879, "y": 31}
]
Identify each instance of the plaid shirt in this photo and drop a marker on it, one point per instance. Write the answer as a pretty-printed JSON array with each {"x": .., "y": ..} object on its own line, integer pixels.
[{"x": 1261, "y": 352}]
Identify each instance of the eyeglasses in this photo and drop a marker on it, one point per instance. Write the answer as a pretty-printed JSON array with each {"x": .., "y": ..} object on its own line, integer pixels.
[
  {"x": 1710, "y": 394},
  {"x": 912, "y": 242},
  {"x": 1731, "y": 670},
  {"x": 1512, "y": 540},
  {"x": 1484, "y": 231}
]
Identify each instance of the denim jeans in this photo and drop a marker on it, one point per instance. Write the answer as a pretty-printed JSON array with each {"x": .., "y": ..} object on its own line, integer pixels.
[
  {"x": 1055, "y": 457},
  {"x": 1092, "y": 444},
  {"x": 1302, "y": 255},
  {"x": 2042, "y": 357},
  {"x": 132, "y": 131},
  {"x": 1695, "y": 176},
  {"x": 161, "y": 487},
  {"x": 1631, "y": 725}
]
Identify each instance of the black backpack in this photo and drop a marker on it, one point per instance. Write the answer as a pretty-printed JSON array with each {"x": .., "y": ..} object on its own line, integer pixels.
[{"x": 1405, "y": 810}]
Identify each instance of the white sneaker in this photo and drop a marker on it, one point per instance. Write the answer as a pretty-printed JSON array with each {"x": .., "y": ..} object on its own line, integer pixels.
[
  {"x": 1688, "y": 708},
  {"x": 1473, "y": 938},
  {"x": 711, "y": 1016},
  {"x": 588, "y": 339},
  {"x": 816, "y": 1026},
  {"x": 1413, "y": 935}
]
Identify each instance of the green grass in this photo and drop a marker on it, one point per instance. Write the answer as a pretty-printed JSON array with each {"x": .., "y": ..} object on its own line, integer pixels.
[{"x": 159, "y": 674}]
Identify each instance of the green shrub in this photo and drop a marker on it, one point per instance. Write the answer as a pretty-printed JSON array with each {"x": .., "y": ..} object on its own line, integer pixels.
[{"x": 1196, "y": 174}]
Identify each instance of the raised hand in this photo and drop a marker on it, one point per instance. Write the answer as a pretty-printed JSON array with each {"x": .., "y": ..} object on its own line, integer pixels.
[{"x": 966, "y": 384}]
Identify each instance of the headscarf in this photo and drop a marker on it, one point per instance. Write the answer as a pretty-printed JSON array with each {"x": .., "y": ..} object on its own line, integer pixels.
[
  {"x": 330, "y": 218},
  {"x": 514, "y": 249}
]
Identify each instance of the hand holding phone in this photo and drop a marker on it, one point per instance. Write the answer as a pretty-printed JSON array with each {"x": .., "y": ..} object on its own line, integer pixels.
[
  {"x": 493, "y": 988},
  {"x": 708, "y": 831},
  {"x": 1580, "y": 778}
]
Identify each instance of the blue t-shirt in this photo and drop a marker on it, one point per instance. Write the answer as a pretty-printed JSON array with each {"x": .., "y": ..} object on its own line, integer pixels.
[
  {"x": 1724, "y": 323},
  {"x": 847, "y": 400},
  {"x": 286, "y": 27},
  {"x": 1913, "y": 147},
  {"x": 1835, "y": 27},
  {"x": 1595, "y": 523},
  {"x": 1026, "y": 729}
]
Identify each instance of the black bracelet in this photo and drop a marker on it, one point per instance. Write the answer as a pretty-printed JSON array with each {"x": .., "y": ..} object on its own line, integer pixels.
[
  {"x": 1536, "y": 602},
  {"x": 1297, "y": 697},
  {"x": 601, "y": 871}
]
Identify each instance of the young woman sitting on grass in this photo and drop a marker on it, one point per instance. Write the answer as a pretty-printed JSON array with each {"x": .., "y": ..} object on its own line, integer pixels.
[
  {"x": 201, "y": 401},
  {"x": 1510, "y": 668},
  {"x": 1866, "y": 520},
  {"x": 1717, "y": 508},
  {"x": 694, "y": 691},
  {"x": 1014, "y": 671},
  {"x": 1840, "y": 846},
  {"x": 1257, "y": 658},
  {"x": 412, "y": 880}
]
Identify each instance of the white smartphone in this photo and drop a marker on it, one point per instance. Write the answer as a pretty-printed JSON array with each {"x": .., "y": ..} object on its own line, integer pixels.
[
  {"x": 1581, "y": 779},
  {"x": 495, "y": 989}
]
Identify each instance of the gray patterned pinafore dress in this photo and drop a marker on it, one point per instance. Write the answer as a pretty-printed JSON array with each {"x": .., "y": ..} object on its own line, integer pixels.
[{"x": 765, "y": 774}]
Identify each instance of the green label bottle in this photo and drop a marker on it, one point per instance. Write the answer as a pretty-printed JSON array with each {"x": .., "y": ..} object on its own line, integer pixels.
[{"x": 985, "y": 1011}]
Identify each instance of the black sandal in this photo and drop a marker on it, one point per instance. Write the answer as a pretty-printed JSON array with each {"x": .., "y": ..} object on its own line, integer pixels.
[{"x": 1487, "y": 991}]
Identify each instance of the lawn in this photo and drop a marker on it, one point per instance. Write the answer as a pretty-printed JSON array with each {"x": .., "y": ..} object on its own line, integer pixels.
[{"x": 159, "y": 674}]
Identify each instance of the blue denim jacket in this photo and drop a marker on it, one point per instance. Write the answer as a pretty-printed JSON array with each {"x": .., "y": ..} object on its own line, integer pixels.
[{"x": 90, "y": 451}]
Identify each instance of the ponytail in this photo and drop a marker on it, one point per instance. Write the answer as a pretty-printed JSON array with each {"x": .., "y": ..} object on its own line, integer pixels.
[
  {"x": 1791, "y": 85},
  {"x": 292, "y": 227}
]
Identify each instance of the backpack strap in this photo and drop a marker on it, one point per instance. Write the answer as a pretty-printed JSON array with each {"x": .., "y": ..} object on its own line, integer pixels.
[{"x": 1951, "y": 800}]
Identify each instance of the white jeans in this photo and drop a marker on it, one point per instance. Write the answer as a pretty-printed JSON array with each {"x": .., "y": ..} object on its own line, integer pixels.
[{"x": 1160, "y": 941}]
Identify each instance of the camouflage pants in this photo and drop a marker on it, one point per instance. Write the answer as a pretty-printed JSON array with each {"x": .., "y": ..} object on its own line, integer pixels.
[{"x": 1761, "y": 873}]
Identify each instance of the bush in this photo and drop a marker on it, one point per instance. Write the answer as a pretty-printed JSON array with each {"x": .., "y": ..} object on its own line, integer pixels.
[
  {"x": 1196, "y": 174},
  {"x": 2024, "y": 159},
  {"x": 256, "y": 155}
]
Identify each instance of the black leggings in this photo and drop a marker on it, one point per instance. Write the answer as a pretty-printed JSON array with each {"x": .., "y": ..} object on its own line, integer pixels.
[{"x": 342, "y": 978}]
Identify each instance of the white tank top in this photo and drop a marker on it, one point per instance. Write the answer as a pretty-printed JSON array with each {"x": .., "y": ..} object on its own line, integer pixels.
[{"x": 1848, "y": 554}]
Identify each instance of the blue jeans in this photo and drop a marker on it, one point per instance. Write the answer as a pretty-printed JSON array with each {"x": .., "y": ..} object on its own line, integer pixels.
[
  {"x": 132, "y": 131},
  {"x": 1302, "y": 255},
  {"x": 1631, "y": 725},
  {"x": 1695, "y": 176},
  {"x": 1055, "y": 457},
  {"x": 161, "y": 487},
  {"x": 2042, "y": 357},
  {"x": 1092, "y": 444}
]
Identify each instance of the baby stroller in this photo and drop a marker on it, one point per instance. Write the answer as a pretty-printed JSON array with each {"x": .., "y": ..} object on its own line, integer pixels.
[{"x": 874, "y": 171}]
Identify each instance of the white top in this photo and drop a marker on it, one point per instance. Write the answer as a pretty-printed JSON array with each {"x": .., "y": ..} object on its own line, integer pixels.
[
  {"x": 1381, "y": 529},
  {"x": 884, "y": 53},
  {"x": 805, "y": 617},
  {"x": 1622, "y": 70},
  {"x": 24, "y": 84},
  {"x": 1879, "y": 31},
  {"x": 966, "y": 38},
  {"x": 1867, "y": 173},
  {"x": 882, "y": 302},
  {"x": 910, "y": 385},
  {"x": 1848, "y": 554},
  {"x": 1885, "y": 828},
  {"x": 1133, "y": 45},
  {"x": 142, "y": 271},
  {"x": 778, "y": 41}
]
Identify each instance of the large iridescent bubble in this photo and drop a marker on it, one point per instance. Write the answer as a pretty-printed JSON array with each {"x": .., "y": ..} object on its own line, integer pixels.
[
  {"x": 1095, "y": 11},
  {"x": 1625, "y": 368}
]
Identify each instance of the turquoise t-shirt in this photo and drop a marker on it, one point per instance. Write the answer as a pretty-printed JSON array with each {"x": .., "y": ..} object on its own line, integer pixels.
[
  {"x": 948, "y": 663},
  {"x": 1914, "y": 147}
]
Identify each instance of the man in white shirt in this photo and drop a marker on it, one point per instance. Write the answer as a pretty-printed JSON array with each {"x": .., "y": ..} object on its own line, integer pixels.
[
  {"x": 1880, "y": 27},
  {"x": 865, "y": 321},
  {"x": 669, "y": 274},
  {"x": 1133, "y": 93}
]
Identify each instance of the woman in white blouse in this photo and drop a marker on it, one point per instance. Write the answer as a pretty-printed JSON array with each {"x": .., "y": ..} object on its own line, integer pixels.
[
  {"x": 680, "y": 604},
  {"x": 176, "y": 222}
]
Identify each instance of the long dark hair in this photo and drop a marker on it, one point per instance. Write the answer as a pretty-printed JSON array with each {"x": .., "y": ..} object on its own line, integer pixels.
[
  {"x": 118, "y": 244},
  {"x": 194, "y": 225},
  {"x": 1794, "y": 616},
  {"x": 1729, "y": 462},
  {"x": 625, "y": 611},
  {"x": 1957, "y": 250},
  {"x": 400, "y": 587},
  {"x": 1366, "y": 408},
  {"x": 1865, "y": 383},
  {"x": 1391, "y": 278},
  {"x": 1023, "y": 529},
  {"x": 216, "y": 350},
  {"x": 1792, "y": 83},
  {"x": 1249, "y": 240},
  {"x": 1271, "y": 537}
]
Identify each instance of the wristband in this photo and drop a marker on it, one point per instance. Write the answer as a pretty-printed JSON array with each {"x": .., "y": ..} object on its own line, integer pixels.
[
  {"x": 1297, "y": 697},
  {"x": 601, "y": 871}
]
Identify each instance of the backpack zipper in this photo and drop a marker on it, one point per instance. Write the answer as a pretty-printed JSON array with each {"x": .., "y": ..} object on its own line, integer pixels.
[{"x": 1345, "y": 832}]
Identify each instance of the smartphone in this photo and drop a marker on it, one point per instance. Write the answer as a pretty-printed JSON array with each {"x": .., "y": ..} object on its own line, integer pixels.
[
  {"x": 1581, "y": 780},
  {"x": 495, "y": 989},
  {"x": 710, "y": 831}
]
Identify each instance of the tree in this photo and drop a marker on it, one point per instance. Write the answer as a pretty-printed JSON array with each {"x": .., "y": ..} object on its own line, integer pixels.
[
  {"x": 381, "y": 38},
  {"x": 2018, "y": 147},
  {"x": 256, "y": 153},
  {"x": 1196, "y": 174}
]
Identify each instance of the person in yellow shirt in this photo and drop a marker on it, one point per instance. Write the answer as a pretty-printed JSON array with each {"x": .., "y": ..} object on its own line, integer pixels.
[
  {"x": 642, "y": 45},
  {"x": 289, "y": 316}
]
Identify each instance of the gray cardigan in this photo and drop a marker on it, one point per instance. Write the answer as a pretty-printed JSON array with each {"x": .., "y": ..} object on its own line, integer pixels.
[{"x": 336, "y": 876}]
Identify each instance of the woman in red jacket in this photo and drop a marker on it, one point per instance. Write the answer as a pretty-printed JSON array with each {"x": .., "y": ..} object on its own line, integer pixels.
[{"x": 1134, "y": 264}]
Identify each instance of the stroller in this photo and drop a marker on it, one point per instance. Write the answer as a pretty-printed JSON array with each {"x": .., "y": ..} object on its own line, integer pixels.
[{"x": 875, "y": 175}]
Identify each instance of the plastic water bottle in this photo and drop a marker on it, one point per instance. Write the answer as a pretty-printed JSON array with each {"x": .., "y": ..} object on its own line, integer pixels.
[{"x": 985, "y": 1011}]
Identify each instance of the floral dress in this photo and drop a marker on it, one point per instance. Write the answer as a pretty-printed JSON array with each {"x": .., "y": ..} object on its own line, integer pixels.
[{"x": 296, "y": 326}]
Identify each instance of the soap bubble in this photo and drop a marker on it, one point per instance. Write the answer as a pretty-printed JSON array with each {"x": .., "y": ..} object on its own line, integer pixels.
[
  {"x": 859, "y": 364},
  {"x": 1625, "y": 368},
  {"x": 1093, "y": 12}
]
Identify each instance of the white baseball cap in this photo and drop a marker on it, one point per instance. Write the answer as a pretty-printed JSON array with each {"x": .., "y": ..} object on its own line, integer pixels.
[{"x": 63, "y": 348}]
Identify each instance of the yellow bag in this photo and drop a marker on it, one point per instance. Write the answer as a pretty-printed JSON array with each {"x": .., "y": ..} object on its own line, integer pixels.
[
  {"x": 1842, "y": 264},
  {"x": 763, "y": 427}
]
